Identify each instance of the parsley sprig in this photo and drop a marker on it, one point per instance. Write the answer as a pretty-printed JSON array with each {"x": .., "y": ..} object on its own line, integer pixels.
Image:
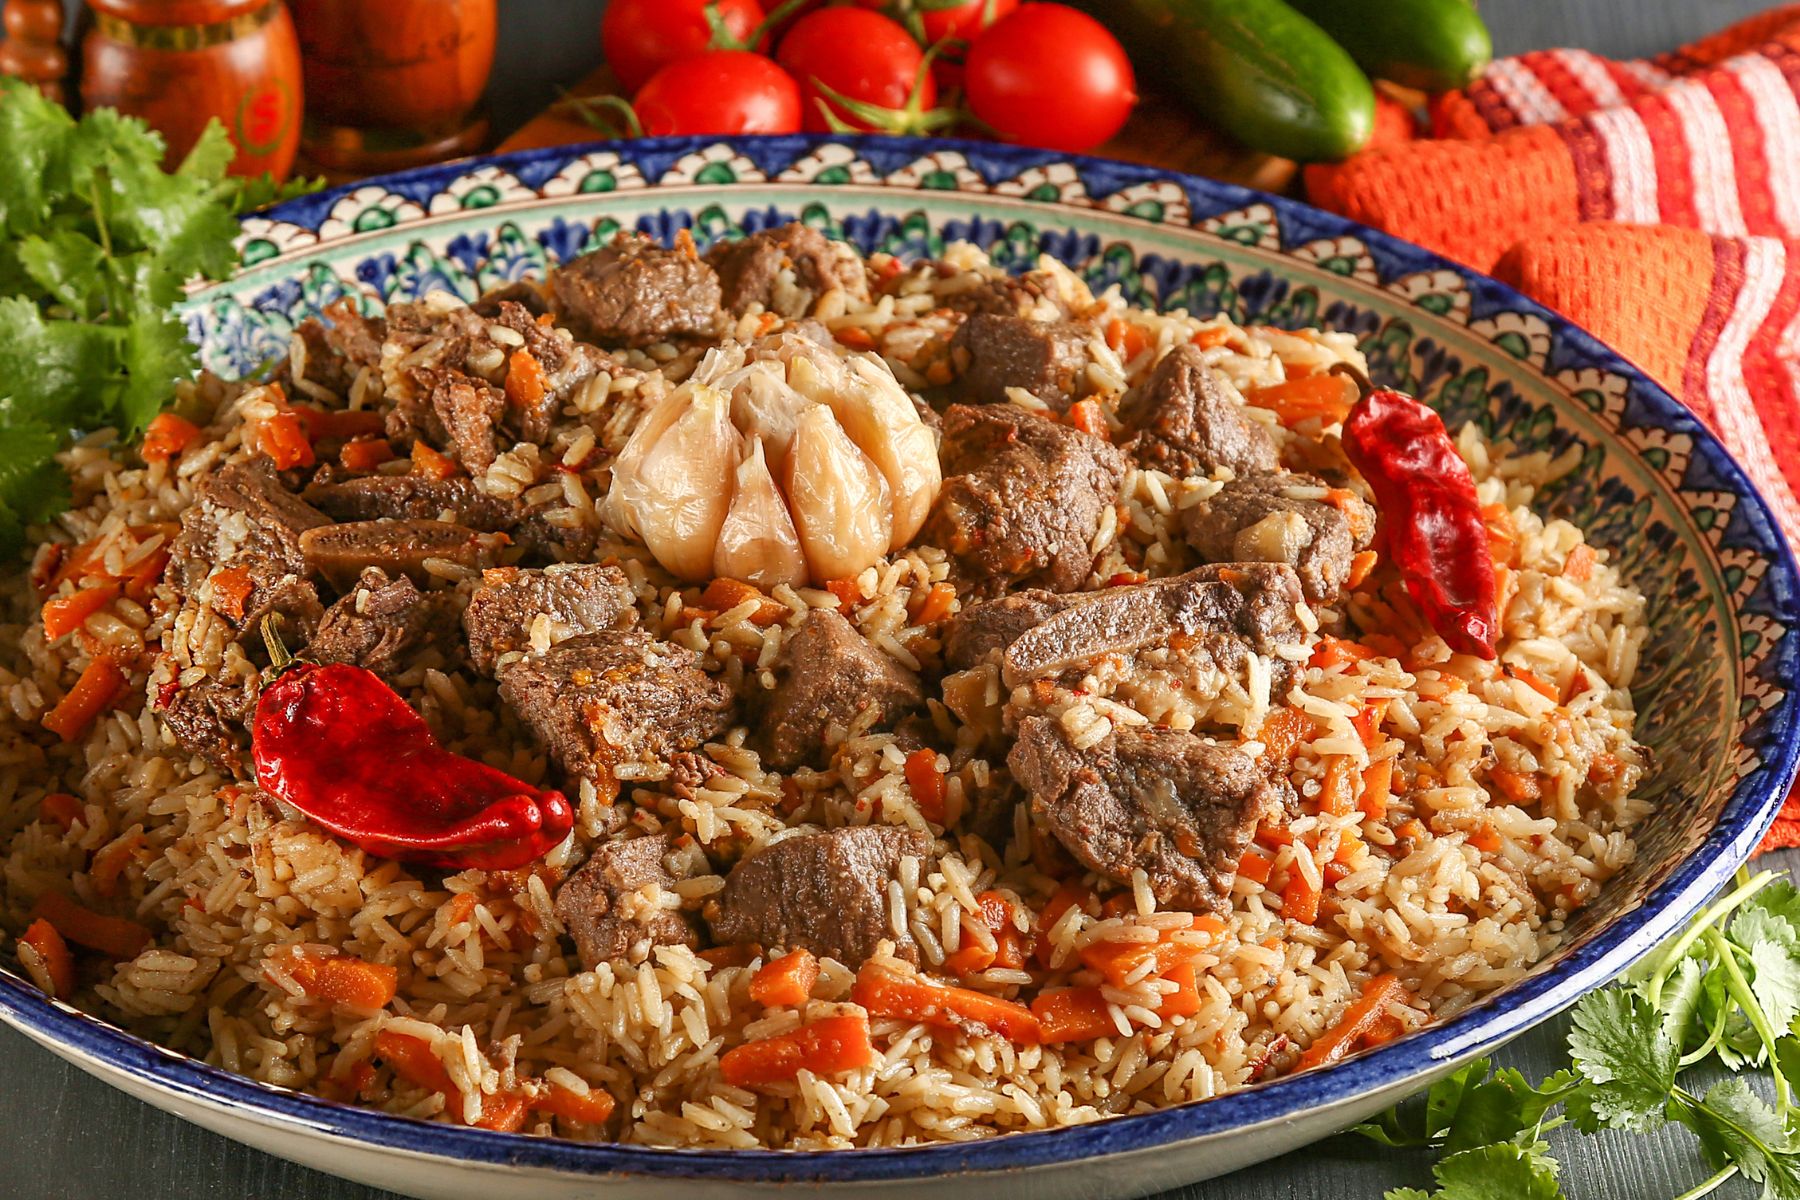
[
  {"x": 96, "y": 244},
  {"x": 1726, "y": 991}
]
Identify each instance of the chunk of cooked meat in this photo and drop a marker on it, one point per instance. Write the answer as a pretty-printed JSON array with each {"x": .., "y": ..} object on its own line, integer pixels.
[
  {"x": 341, "y": 553},
  {"x": 617, "y": 697},
  {"x": 428, "y": 341},
  {"x": 522, "y": 292},
  {"x": 826, "y": 892},
  {"x": 1284, "y": 518},
  {"x": 1037, "y": 294},
  {"x": 1178, "y": 806},
  {"x": 617, "y": 905},
  {"x": 242, "y": 518},
  {"x": 1224, "y": 611},
  {"x": 410, "y": 497},
  {"x": 1184, "y": 422},
  {"x": 749, "y": 267},
  {"x": 383, "y": 625},
  {"x": 468, "y": 411},
  {"x": 339, "y": 344},
  {"x": 565, "y": 364},
  {"x": 555, "y": 532},
  {"x": 1023, "y": 496},
  {"x": 585, "y": 598},
  {"x": 826, "y": 675},
  {"x": 1047, "y": 358},
  {"x": 635, "y": 293},
  {"x": 211, "y": 718}
]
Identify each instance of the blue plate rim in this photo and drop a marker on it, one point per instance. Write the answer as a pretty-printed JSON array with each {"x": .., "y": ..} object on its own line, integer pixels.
[{"x": 1741, "y": 824}]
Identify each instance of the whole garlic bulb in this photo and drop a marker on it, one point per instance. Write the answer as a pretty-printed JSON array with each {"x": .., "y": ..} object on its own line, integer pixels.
[{"x": 784, "y": 463}]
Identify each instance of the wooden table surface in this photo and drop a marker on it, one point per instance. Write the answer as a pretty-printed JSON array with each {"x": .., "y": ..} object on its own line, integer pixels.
[{"x": 64, "y": 1136}]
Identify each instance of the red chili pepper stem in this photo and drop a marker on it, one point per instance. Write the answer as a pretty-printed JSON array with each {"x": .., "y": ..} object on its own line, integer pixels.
[{"x": 279, "y": 657}]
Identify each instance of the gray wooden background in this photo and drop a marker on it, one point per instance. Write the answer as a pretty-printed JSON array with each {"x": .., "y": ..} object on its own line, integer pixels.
[{"x": 64, "y": 1136}]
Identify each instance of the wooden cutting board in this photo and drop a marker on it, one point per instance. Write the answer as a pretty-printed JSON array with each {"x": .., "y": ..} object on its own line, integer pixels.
[{"x": 1160, "y": 134}]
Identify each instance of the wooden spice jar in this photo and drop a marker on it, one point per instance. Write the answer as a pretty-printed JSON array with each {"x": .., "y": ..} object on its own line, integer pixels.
[
  {"x": 393, "y": 83},
  {"x": 180, "y": 63}
]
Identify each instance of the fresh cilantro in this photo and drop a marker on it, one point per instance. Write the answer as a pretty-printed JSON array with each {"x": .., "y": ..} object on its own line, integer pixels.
[
  {"x": 97, "y": 242},
  {"x": 1726, "y": 991}
]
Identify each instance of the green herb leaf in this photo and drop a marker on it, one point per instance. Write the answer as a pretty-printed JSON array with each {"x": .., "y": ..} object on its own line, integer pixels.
[
  {"x": 1620, "y": 1047},
  {"x": 1736, "y": 1128},
  {"x": 1501, "y": 1172}
]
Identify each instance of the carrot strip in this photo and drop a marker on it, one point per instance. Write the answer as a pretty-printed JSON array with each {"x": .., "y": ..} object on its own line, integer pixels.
[
  {"x": 1579, "y": 565},
  {"x": 413, "y": 1060},
  {"x": 720, "y": 957},
  {"x": 526, "y": 385},
  {"x": 93, "y": 694},
  {"x": 428, "y": 462},
  {"x": 927, "y": 784},
  {"x": 166, "y": 436},
  {"x": 1255, "y": 867},
  {"x": 1377, "y": 790},
  {"x": 1087, "y": 416},
  {"x": 365, "y": 454},
  {"x": 1069, "y": 895},
  {"x": 1503, "y": 535},
  {"x": 855, "y": 337},
  {"x": 592, "y": 1109},
  {"x": 61, "y": 808},
  {"x": 66, "y": 614},
  {"x": 1536, "y": 683},
  {"x": 1335, "y": 797},
  {"x": 1076, "y": 1014},
  {"x": 1361, "y": 567},
  {"x": 787, "y": 982},
  {"x": 1206, "y": 339},
  {"x": 115, "y": 937},
  {"x": 1184, "y": 1001},
  {"x": 283, "y": 438},
  {"x": 1300, "y": 899},
  {"x": 723, "y": 595},
  {"x": 1486, "y": 840},
  {"x": 829, "y": 1046},
  {"x": 53, "y": 955},
  {"x": 1327, "y": 397},
  {"x": 1282, "y": 732},
  {"x": 1128, "y": 339},
  {"x": 231, "y": 589},
  {"x": 1516, "y": 786},
  {"x": 110, "y": 862},
  {"x": 1368, "y": 722},
  {"x": 1119, "y": 961},
  {"x": 934, "y": 605},
  {"x": 1356, "y": 1023},
  {"x": 144, "y": 576},
  {"x": 337, "y": 978},
  {"x": 885, "y": 994},
  {"x": 337, "y": 424}
]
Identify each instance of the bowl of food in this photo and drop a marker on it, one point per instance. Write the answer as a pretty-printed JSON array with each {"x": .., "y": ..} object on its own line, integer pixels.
[{"x": 865, "y": 662}]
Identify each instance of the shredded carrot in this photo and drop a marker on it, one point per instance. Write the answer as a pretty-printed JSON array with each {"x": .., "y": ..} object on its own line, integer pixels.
[
  {"x": 933, "y": 604},
  {"x": 525, "y": 382},
  {"x": 847, "y": 592},
  {"x": 1579, "y": 565},
  {"x": 115, "y": 937},
  {"x": 592, "y": 1109},
  {"x": 1332, "y": 651},
  {"x": 53, "y": 955},
  {"x": 1377, "y": 789},
  {"x": 428, "y": 462},
  {"x": 1486, "y": 840},
  {"x": 1368, "y": 722},
  {"x": 93, "y": 693},
  {"x": 1118, "y": 962},
  {"x": 110, "y": 862},
  {"x": 1335, "y": 794},
  {"x": 1334, "y": 873},
  {"x": 1386, "y": 1029},
  {"x": 723, "y": 595},
  {"x": 1274, "y": 835},
  {"x": 1361, "y": 567},
  {"x": 365, "y": 454},
  {"x": 1128, "y": 339},
  {"x": 1300, "y": 899},
  {"x": 1516, "y": 786},
  {"x": 1087, "y": 416},
  {"x": 61, "y": 808},
  {"x": 786, "y": 982},
  {"x": 283, "y": 438},
  {"x": 885, "y": 994},
  {"x": 460, "y": 909},
  {"x": 142, "y": 577},
  {"x": 1255, "y": 867},
  {"x": 1356, "y": 1023},
  {"x": 1184, "y": 1001},
  {"x": 1604, "y": 769},
  {"x": 1076, "y": 1014},
  {"x": 231, "y": 590},
  {"x": 1008, "y": 950},
  {"x": 1282, "y": 732},
  {"x": 66, "y": 614},
  {"x": 1503, "y": 535},
  {"x": 1535, "y": 683},
  {"x": 855, "y": 338},
  {"x": 720, "y": 957},
  {"x": 926, "y": 780},
  {"x": 829, "y": 1046},
  {"x": 1067, "y": 896},
  {"x": 337, "y": 978},
  {"x": 1327, "y": 397},
  {"x": 1206, "y": 339},
  {"x": 337, "y": 424},
  {"x": 166, "y": 436},
  {"x": 413, "y": 1060},
  {"x": 1412, "y": 829}
]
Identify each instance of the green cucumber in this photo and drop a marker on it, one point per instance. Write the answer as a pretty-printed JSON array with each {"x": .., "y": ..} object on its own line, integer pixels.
[
  {"x": 1435, "y": 45},
  {"x": 1256, "y": 69}
]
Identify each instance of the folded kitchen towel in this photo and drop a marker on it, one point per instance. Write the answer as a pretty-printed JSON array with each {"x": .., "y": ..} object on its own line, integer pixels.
[{"x": 1654, "y": 202}]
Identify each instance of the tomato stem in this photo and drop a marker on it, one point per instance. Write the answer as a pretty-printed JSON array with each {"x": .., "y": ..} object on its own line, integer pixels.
[{"x": 611, "y": 115}]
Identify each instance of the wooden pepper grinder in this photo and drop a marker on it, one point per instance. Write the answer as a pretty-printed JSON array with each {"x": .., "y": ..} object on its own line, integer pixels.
[
  {"x": 180, "y": 63},
  {"x": 33, "y": 48},
  {"x": 393, "y": 83}
]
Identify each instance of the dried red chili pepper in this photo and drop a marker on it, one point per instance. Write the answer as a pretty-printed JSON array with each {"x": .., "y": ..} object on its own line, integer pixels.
[
  {"x": 1429, "y": 513},
  {"x": 344, "y": 748}
]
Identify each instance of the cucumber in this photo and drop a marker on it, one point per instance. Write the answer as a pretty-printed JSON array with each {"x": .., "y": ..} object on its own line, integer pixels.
[
  {"x": 1435, "y": 45},
  {"x": 1255, "y": 69}
]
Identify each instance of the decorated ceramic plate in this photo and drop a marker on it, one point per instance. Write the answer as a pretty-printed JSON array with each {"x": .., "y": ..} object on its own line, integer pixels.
[{"x": 1449, "y": 853}]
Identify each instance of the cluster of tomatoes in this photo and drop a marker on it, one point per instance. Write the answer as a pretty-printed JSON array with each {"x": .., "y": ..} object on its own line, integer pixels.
[{"x": 1037, "y": 74}]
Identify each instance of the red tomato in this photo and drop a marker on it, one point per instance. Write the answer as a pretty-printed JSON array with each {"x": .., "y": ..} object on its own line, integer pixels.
[
  {"x": 963, "y": 20},
  {"x": 720, "y": 91},
  {"x": 860, "y": 55},
  {"x": 1050, "y": 76},
  {"x": 641, "y": 37}
]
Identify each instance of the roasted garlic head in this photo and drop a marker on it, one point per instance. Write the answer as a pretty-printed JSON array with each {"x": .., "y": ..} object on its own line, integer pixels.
[{"x": 781, "y": 462}]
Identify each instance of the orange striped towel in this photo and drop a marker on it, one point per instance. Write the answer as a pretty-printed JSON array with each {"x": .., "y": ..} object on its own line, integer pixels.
[{"x": 1654, "y": 202}]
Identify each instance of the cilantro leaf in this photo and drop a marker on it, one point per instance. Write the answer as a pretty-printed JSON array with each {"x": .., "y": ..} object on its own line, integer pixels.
[
  {"x": 1620, "y": 1046},
  {"x": 1775, "y": 981},
  {"x": 50, "y": 370},
  {"x": 1736, "y": 1128},
  {"x": 1405, "y": 1194},
  {"x": 69, "y": 266},
  {"x": 1499, "y": 1172},
  {"x": 33, "y": 487}
]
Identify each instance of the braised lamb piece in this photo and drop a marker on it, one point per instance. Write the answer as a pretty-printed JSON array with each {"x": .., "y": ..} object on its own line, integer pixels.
[
  {"x": 242, "y": 518},
  {"x": 410, "y": 497},
  {"x": 382, "y": 624},
  {"x": 211, "y": 718},
  {"x": 1184, "y": 422},
  {"x": 826, "y": 892},
  {"x": 609, "y": 909},
  {"x": 749, "y": 267},
  {"x": 635, "y": 293},
  {"x": 621, "y": 696},
  {"x": 1047, "y": 358},
  {"x": 827, "y": 675},
  {"x": 588, "y": 598},
  {"x": 1023, "y": 497},
  {"x": 1280, "y": 518},
  {"x": 341, "y": 553},
  {"x": 1172, "y": 803}
]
